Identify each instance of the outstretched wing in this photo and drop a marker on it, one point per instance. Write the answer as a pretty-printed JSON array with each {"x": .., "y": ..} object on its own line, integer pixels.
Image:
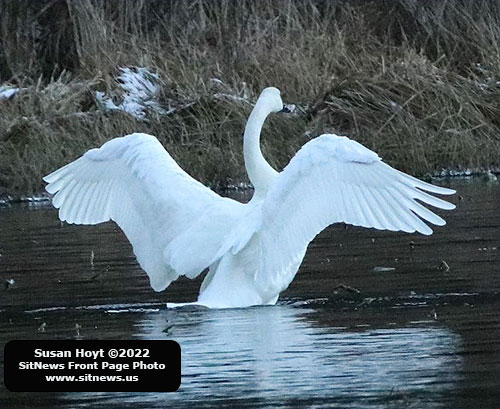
[
  {"x": 135, "y": 182},
  {"x": 335, "y": 179}
]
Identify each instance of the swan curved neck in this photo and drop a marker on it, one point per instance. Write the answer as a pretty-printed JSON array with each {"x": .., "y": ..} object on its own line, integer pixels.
[{"x": 261, "y": 174}]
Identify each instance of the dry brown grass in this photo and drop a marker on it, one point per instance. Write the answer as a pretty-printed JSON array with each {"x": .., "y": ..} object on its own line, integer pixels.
[{"x": 415, "y": 81}]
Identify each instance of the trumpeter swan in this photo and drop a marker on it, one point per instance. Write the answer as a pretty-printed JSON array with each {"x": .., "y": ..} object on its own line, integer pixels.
[{"x": 177, "y": 226}]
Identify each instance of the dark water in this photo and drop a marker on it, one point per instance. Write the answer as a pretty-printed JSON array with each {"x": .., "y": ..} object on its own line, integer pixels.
[{"x": 423, "y": 335}]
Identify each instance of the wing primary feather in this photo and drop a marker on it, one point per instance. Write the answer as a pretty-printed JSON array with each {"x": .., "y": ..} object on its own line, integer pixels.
[
  {"x": 427, "y": 198},
  {"x": 360, "y": 201},
  {"x": 389, "y": 211},
  {"x": 377, "y": 222},
  {"x": 343, "y": 203},
  {"x": 383, "y": 218},
  {"x": 62, "y": 194},
  {"x": 87, "y": 214},
  {"x": 68, "y": 208},
  {"x": 67, "y": 192},
  {"x": 414, "y": 182},
  {"x": 82, "y": 204},
  {"x": 384, "y": 173},
  {"x": 112, "y": 201},
  {"x": 404, "y": 224},
  {"x": 361, "y": 173},
  {"x": 334, "y": 204},
  {"x": 61, "y": 172},
  {"x": 423, "y": 212},
  {"x": 410, "y": 217},
  {"x": 94, "y": 214},
  {"x": 126, "y": 207},
  {"x": 101, "y": 205},
  {"x": 58, "y": 184},
  {"x": 356, "y": 205},
  {"x": 108, "y": 200},
  {"x": 367, "y": 208}
]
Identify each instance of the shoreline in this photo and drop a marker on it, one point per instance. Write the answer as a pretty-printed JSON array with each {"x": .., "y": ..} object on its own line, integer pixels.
[
  {"x": 419, "y": 87},
  {"x": 491, "y": 174}
]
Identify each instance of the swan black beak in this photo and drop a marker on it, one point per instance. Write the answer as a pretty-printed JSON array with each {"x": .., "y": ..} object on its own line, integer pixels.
[{"x": 287, "y": 109}]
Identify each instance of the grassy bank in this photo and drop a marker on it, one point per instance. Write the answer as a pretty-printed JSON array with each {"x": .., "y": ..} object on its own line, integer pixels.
[{"x": 418, "y": 83}]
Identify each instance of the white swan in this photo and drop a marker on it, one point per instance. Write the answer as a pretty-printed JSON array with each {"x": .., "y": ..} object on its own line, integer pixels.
[{"x": 177, "y": 226}]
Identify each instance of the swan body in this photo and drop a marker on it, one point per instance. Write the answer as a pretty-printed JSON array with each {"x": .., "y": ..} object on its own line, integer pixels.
[{"x": 177, "y": 226}]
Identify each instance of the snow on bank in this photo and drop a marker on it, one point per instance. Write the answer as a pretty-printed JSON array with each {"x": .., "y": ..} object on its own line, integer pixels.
[
  {"x": 240, "y": 95},
  {"x": 491, "y": 174},
  {"x": 7, "y": 92},
  {"x": 139, "y": 88}
]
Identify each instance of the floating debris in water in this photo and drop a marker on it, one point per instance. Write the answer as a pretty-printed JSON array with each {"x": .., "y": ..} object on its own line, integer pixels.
[
  {"x": 9, "y": 283},
  {"x": 383, "y": 269},
  {"x": 346, "y": 288},
  {"x": 490, "y": 176},
  {"x": 433, "y": 315},
  {"x": 396, "y": 395},
  {"x": 77, "y": 330},
  {"x": 47, "y": 309},
  {"x": 167, "y": 328},
  {"x": 96, "y": 277},
  {"x": 42, "y": 327},
  {"x": 366, "y": 301},
  {"x": 412, "y": 244},
  {"x": 444, "y": 267}
]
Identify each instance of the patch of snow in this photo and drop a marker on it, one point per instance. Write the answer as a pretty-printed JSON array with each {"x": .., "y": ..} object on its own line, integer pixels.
[
  {"x": 236, "y": 98},
  {"x": 173, "y": 110},
  {"x": 217, "y": 81},
  {"x": 34, "y": 199},
  {"x": 239, "y": 94},
  {"x": 140, "y": 89},
  {"x": 481, "y": 68},
  {"x": 105, "y": 101},
  {"x": 490, "y": 173},
  {"x": 7, "y": 92},
  {"x": 452, "y": 172},
  {"x": 139, "y": 83}
]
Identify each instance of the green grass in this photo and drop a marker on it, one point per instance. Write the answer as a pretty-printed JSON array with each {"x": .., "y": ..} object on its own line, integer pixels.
[{"x": 415, "y": 82}]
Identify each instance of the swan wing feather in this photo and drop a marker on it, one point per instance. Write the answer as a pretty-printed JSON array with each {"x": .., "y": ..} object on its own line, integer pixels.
[
  {"x": 334, "y": 179},
  {"x": 133, "y": 181}
]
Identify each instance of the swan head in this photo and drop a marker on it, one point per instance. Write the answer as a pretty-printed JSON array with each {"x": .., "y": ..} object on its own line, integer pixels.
[{"x": 270, "y": 98}]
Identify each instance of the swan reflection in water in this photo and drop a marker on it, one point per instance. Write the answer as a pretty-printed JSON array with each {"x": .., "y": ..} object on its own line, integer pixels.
[{"x": 275, "y": 356}]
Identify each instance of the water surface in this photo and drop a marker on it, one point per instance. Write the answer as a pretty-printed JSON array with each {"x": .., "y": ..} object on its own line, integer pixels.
[{"x": 416, "y": 333}]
